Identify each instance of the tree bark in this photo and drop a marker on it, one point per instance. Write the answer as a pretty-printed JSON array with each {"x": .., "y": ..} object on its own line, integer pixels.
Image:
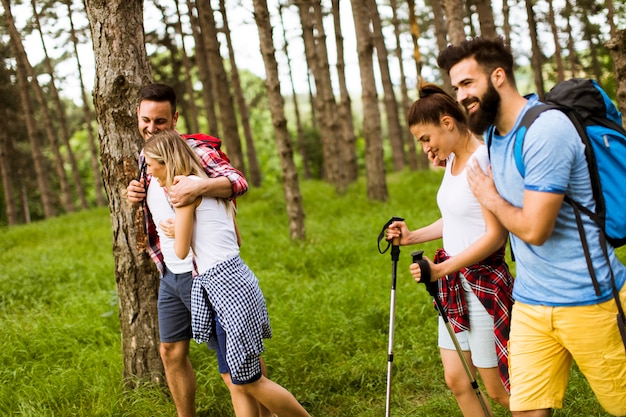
[
  {"x": 204, "y": 72},
  {"x": 391, "y": 105},
  {"x": 227, "y": 116},
  {"x": 291, "y": 186},
  {"x": 485, "y": 18},
  {"x": 536, "y": 60},
  {"x": 7, "y": 171},
  {"x": 347, "y": 145},
  {"x": 253, "y": 161},
  {"x": 60, "y": 116},
  {"x": 454, "y": 20},
  {"x": 404, "y": 92},
  {"x": 39, "y": 160},
  {"x": 302, "y": 144},
  {"x": 617, "y": 49},
  {"x": 374, "y": 158},
  {"x": 122, "y": 68},
  {"x": 87, "y": 114},
  {"x": 558, "y": 51}
]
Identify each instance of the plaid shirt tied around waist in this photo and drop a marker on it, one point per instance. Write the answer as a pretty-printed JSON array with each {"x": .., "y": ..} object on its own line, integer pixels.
[{"x": 492, "y": 283}]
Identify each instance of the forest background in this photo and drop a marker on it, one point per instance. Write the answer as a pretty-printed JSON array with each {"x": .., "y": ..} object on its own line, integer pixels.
[{"x": 64, "y": 148}]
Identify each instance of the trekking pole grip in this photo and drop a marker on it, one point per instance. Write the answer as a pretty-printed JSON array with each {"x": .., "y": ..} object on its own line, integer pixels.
[{"x": 431, "y": 287}]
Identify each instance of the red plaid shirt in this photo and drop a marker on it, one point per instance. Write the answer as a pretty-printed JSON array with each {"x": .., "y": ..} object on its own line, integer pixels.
[
  {"x": 492, "y": 283},
  {"x": 215, "y": 166}
]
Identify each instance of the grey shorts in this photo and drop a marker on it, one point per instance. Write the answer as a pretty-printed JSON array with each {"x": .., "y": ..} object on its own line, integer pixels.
[{"x": 174, "y": 307}]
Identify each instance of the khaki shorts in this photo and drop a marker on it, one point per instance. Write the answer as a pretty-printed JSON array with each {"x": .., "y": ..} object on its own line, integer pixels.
[{"x": 543, "y": 342}]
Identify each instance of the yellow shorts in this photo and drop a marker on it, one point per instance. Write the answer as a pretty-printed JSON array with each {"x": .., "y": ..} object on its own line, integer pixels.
[{"x": 543, "y": 342}]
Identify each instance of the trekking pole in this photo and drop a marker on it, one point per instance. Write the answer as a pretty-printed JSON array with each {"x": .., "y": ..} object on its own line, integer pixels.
[
  {"x": 395, "y": 255},
  {"x": 431, "y": 287}
]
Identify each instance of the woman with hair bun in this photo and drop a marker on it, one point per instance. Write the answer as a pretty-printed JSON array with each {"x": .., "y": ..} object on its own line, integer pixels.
[{"x": 474, "y": 282}]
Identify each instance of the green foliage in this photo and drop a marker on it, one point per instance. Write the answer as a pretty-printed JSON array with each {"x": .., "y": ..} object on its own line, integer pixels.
[{"x": 328, "y": 299}]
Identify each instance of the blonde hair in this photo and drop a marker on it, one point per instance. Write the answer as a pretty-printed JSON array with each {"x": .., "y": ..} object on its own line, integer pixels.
[{"x": 168, "y": 148}]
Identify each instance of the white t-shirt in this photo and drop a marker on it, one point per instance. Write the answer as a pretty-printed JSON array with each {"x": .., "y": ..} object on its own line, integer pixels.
[
  {"x": 214, "y": 239},
  {"x": 161, "y": 209},
  {"x": 463, "y": 221}
]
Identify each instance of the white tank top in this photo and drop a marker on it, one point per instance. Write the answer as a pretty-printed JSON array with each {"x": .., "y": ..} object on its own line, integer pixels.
[
  {"x": 214, "y": 239},
  {"x": 161, "y": 209}
]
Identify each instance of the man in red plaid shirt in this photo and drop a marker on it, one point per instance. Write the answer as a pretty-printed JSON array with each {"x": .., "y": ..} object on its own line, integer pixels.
[{"x": 157, "y": 112}]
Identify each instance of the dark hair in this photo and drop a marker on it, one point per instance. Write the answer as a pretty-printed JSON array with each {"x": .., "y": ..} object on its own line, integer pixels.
[
  {"x": 159, "y": 93},
  {"x": 490, "y": 53},
  {"x": 433, "y": 104}
]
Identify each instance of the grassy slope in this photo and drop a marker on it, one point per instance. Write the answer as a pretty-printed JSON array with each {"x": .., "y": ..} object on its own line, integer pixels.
[{"x": 328, "y": 300}]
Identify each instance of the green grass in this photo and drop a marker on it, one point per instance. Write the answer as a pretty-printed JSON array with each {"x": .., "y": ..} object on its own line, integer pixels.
[{"x": 328, "y": 300}]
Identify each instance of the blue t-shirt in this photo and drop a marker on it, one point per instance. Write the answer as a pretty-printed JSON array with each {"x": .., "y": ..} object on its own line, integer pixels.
[{"x": 555, "y": 273}]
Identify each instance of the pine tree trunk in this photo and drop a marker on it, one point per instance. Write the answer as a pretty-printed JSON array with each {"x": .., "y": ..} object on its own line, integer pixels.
[
  {"x": 291, "y": 186},
  {"x": 192, "y": 118},
  {"x": 347, "y": 145},
  {"x": 7, "y": 172},
  {"x": 227, "y": 116},
  {"x": 558, "y": 52},
  {"x": 485, "y": 18},
  {"x": 302, "y": 145},
  {"x": 87, "y": 114},
  {"x": 39, "y": 161},
  {"x": 254, "y": 169},
  {"x": 454, "y": 10},
  {"x": 60, "y": 116},
  {"x": 391, "y": 105},
  {"x": 374, "y": 158},
  {"x": 203, "y": 71},
  {"x": 406, "y": 103},
  {"x": 617, "y": 49},
  {"x": 536, "y": 60},
  {"x": 122, "y": 68}
]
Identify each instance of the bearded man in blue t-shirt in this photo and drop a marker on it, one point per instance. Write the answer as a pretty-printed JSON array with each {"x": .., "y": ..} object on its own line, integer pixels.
[{"x": 557, "y": 316}]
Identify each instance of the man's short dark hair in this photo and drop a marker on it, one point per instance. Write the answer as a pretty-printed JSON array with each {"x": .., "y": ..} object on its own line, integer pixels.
[
  {"x": 159, "y": 93},
  {"x": 490, "y": 53}
]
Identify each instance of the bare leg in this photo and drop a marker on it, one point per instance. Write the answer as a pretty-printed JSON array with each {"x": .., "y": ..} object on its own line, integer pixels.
[
  {"x": 274, "y": 397},
  {"x": 244, "y": 404},
  {"x": 180, "y": 376},
  {"x": 459, "y": 383},
  {"x": 545, "y": 412},
  {"x": 263, "y": 411},
  {"x": 493, "y": 385}
]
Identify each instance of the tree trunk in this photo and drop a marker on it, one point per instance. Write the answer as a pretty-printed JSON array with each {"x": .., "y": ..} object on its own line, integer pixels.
[
  {"x": 441, "y": 29},
  {"x": 537, "y": 56},
  {"x": 302, "y": 145},
  {"x": 485, "y": 18},
  {"x": 327, "y": 112},
  {"x": 7, "y": 171},
  {"x": 374, "y": 158},
  {"x": 254, "y": 174},
  {"x": 204, "y": 72},
  {"x": 571, "y": 42},
  {"x": 39, "y": 160},
  {"x": 60, "y": 115},
  {"x": 347, "y": 145},
  {"x": 454, "y": 20},
  {"x": 122, "y": 68},
  {"x": 506, "y": 26},
  {"x": 406, "y": 102},
  {"x": 291, "y": 186},
  {"x": 191, "y": 119},
  {"x": 617, "y": 49},
  {"x": 391, "y": 105},
  {"x": 560, "y": 69},
  {"x": 87, "y": 114},
  {"x": 227, "y": 116}
]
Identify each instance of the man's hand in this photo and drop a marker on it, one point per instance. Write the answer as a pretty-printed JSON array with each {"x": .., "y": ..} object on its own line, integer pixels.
[
  {"x": 136, "y": 191},
  {"x": 183, "y": 191},
  {"x": 167, "y": 226},
  {"x": 482, "y": 185}
]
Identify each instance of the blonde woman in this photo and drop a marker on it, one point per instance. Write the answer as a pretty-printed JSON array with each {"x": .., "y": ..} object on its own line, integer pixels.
[{"x": 228, "y": 307}]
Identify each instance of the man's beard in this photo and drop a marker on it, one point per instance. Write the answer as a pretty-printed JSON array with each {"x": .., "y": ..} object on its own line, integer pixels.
[{"x": 484, "y": 117}]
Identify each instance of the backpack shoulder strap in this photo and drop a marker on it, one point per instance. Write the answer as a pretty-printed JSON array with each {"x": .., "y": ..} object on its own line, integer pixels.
[{"x": 529, "y": 117}]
